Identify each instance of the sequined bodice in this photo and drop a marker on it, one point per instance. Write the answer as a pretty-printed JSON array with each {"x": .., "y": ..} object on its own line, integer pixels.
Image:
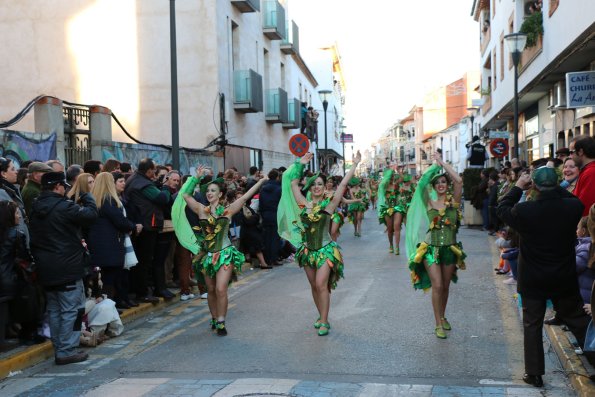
[
  {"x": 392, "y": 196},
  {"x": 405, "y": 196},
  {"x": 216, "y": 233},
  {"x": 444, "y": 225},
  {"x": 315, "y": 234}
]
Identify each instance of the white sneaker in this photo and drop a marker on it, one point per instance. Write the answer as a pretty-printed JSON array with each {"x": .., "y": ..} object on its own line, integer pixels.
[
  {"x": 185, "y": 297},
  {"x": 509, "y": 281},
  {"x": 204, "y": 296}
]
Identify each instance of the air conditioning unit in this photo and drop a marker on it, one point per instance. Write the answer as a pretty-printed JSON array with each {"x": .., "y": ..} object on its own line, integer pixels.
[{"x": 559, "y": 95}]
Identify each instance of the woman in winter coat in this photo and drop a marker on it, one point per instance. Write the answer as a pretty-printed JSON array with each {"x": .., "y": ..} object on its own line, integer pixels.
[
  {"x": 10, "y": 191},
  {"x": 586, "y": 275},
  {"x": 106, "y": 238}
]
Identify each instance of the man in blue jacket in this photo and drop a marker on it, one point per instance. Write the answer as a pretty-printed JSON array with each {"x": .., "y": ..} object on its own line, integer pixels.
[{"x": 57, "y": 246}]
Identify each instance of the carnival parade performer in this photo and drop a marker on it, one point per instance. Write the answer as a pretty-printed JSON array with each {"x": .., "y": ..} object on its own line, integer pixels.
[
  {"x": 359, "y": 205},
  {"x": 433, "y": 220},
  {"x": 373, "y": 186},
  {"x": 305, "y": 223},
  {"x": 337, "y": 218},
  {"x": 406, "y": 190},
  {"x": 222, "y": 259},
  {"x": 388, "y": 194}
]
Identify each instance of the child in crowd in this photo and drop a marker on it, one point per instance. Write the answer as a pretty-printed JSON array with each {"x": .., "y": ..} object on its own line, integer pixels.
[{"x": 508, "y": 246}]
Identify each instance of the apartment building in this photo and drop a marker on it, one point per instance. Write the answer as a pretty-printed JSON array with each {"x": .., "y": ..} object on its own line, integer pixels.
[
  {"x": 240, "y": 73},
  {"x": 561, "y": 40}
]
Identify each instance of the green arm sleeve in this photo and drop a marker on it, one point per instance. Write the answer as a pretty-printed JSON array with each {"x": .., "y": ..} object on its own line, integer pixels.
[
  {"x": 417, "y": 215},
  {"x": 288, "y": 212},
  {"x": 182, "y": 227}
]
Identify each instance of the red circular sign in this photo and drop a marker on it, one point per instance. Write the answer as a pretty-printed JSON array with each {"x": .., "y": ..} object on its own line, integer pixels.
[
  {"x": 299, "y": 145},
  {"x": 499, "y": 147}
]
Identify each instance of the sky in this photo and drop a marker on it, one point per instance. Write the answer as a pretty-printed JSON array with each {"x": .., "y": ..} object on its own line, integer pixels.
[{"x": 393, "y": 52}]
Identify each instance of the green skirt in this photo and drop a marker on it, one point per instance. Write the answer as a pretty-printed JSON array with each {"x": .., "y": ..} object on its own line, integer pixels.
[
  {"x": 442, "y": 255},
  {"x": 327, "y": 255},
  {"x": 228, "y": 256}
]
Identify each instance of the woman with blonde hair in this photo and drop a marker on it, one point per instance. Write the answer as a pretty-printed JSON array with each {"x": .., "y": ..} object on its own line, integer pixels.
[
  {"x": 83, "y": 184},
  {"x": 106, "y": 239}
]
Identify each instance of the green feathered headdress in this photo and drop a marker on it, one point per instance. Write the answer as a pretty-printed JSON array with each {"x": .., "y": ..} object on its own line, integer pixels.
[{"x": 310, "y": 181}]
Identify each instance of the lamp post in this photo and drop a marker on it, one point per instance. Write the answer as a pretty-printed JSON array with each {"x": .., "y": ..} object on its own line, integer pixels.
[
  {"x": 175, "y": 130},
  {"x": 324, "y": 95},
  {"x": 342, "y": 128},
  {"x": 516, "y": 44}
]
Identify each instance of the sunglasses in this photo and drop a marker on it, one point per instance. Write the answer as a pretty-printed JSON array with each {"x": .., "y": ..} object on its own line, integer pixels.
[{"x": 572, "y": 151}]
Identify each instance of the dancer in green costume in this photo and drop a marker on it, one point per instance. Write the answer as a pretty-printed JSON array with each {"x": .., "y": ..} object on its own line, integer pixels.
[
  {"x": 388, "y": 195},
  {"x": 337, "y": 218},
  {"x": 221, "y": 258},
  {"x": 373, "y": 185},
  {"x": 305, "y": 223},
  {"x": 356, "y": 210},
  {"x": 433, "y": 220}
]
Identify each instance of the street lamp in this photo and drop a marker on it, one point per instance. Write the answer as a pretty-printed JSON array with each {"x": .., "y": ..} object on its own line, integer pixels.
[
  {"x": 516, "y": 45},
  {"x": 175, "y": 129},
  {"x": 471, "y": 112},
  {"x": 342, "y": 128},
  {"x": 324, "y": 95}
]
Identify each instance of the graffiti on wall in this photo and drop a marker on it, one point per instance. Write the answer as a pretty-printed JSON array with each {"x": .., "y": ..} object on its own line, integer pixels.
[
  {"x": 134, "y": 153},
  {"x": 23, "y": 146}
]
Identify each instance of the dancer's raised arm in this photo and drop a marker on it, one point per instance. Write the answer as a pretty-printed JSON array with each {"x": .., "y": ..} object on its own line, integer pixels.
[
  {"x": 454, "y": 177},
  {"x": 237, "y": 205},
  {"x": 295, "y": 187},
  {"x": 187, "y": 191},
  {"x": 343, "y": 185}
]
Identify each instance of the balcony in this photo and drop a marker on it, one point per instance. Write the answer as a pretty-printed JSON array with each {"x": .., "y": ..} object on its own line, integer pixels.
[
  {"x": 487, "y": 104},
  {"x": 246, "y": 5},
  {"x": 291, "y": 43},
  {"x": 294, "y": 114},
  {"x": 247, "y": 91},
  {"x": 276, "y": 108},
  {"x": 529, "y": 54},
  {"x": 273, "y": 20}
]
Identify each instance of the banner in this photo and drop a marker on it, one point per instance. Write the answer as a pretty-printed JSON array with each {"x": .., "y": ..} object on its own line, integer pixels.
[{"x": 23, "y": 146}]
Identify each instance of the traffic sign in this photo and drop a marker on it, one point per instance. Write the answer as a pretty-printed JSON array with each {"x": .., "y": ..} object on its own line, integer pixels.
[
  {"x": 299, "y": 145},
  {"x": 347, "y": 138},
  {"x": 499, "y": 148}
]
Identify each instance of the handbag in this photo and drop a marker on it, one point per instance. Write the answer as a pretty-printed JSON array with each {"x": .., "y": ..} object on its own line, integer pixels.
[
  {"x": 168, "y": 226},
  {"x": 251, "y": 218},
  {"x": 130, "y": 259}
]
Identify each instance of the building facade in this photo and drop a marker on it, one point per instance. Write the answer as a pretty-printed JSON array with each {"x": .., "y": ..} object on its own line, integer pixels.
[
  {"x": 561, "y": 40},
  {"x": 240, "y": 73}
]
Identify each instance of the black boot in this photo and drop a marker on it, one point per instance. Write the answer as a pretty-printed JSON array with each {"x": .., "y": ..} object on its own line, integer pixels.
[{"x": 221, "y": 330}]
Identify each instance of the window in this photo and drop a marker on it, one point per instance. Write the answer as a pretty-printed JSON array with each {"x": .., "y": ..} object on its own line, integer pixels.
[
  {"x": 502, "y": 56},
  {"x": 587, "y": 129},
  {"x": 495, "y": 70},
  {"x": 510, "y": 30}
]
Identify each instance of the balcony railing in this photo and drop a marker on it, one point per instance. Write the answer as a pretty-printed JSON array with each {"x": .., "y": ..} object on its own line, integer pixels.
[
  {"x": 247, "y": 91},
  {"x": 247, "y": 5},
  {"x": 294, "y": 114},
  {"x": 276, "y": 108},
  {"x": 291, "y": 42},
  {"x": 273, "y": 20}
]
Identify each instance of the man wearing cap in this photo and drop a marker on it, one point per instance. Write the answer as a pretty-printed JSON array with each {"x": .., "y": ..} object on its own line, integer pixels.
[
  {"x": 33, "y": 186},
  {"x": 57, "y": 246},
  {"x": 582, "y": 150},
  {"x": 477, "y": 153},
  {"x": 547, "y": 261},
  {"x": 562, "y": 153}
]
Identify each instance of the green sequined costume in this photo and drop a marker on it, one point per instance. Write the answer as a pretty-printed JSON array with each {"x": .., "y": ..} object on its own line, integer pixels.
[
  {"x": 309, "y": 231},
  {"x": 404, "y": 199},
  {"x": 432, "y": 234},
  {"x": 360, "y": 206},
  {"x": 219, "y": 250},
  {"x": 317, "y": 248}
]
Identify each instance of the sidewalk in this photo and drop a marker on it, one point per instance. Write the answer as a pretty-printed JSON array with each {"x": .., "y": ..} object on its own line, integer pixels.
[{"x": 24, "y": 357}]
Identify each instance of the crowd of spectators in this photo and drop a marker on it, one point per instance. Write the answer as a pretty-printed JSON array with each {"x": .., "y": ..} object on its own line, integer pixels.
[
  {"x": 544, "y": 217},
  {"x": 84, "y": 243}
]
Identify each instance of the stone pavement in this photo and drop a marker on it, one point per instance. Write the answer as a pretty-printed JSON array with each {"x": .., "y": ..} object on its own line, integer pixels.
[{"x": 166, "y": 387}]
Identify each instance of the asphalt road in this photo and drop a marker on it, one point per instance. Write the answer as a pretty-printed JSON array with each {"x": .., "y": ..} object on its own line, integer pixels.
[{"x": 381, "y": 341}]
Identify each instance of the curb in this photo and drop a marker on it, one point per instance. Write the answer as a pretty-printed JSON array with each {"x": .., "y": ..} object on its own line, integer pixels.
[
  {"x": 573, "y": 366},
  {"x": 38, "y": 353}
]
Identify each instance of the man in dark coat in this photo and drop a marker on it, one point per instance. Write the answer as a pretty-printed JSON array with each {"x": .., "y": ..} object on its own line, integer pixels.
[
  {"x": 148, "y": 199},
  {"x": 56, "y": 243},
  {"x": 547, "y": 261},
  {"x": 270, "y": 195}
]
